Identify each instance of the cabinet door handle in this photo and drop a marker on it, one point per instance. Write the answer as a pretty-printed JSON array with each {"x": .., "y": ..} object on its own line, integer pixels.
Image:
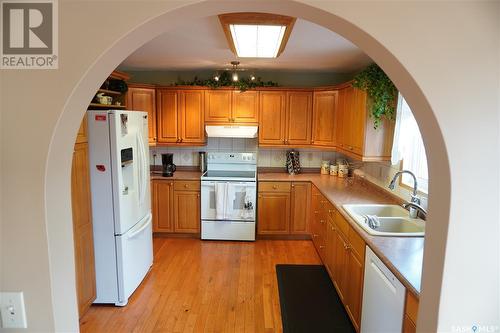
[
  {"x": 321, "y": 246},
  {"x": 293, "y": 186},
  {"x": 186, "y": 185},
  {"x": 275, "y": 187},
  {"x": 170, "y": 184}
]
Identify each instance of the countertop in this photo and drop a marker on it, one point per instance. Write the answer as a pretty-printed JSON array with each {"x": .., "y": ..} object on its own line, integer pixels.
[
  {"x": 402, "y": 255},
  {"x": 178, "y": 175}
]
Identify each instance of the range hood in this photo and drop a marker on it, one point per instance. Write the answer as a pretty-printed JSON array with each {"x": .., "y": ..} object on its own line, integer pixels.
[{"x": 231, "y": 131}]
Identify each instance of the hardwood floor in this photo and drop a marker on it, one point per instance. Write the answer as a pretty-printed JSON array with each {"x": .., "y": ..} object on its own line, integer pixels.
[{"x": 205, "y": 286}]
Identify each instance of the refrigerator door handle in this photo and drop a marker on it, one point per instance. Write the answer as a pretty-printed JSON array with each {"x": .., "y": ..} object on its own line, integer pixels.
[
  {"x": 142, "y": 169},
  {"x": 146, "y": 223}
]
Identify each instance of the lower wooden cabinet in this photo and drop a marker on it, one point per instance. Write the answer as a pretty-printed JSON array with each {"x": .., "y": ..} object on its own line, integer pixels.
[
  {"x": 283, "y": 208},
  {"x": 176, "y": 206},
  {"x": 300, "y": 203},
  {"x": 342, "y": 251},
  {"x": 82, "y": 228},
  {"x": 354, "y": 287},
  {"x": 340, "y": 264},
  {"x": 162, "y": 205},
  {"x": 273, "y": 213},
  {"x": 411, "y": 311},
  {"x": 187, "y": 211}
]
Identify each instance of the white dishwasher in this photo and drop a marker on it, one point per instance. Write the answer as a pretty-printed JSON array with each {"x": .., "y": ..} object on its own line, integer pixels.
[{"x": 383, "y": 298}]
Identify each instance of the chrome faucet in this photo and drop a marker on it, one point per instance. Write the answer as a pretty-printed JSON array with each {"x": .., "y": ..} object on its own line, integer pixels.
[
  {"x": 414, "y": 198},
  {"x": 417, "y": 207}
]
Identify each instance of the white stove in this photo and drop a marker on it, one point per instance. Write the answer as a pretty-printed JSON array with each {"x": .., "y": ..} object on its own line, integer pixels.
[{"x": 228, "y": 196}]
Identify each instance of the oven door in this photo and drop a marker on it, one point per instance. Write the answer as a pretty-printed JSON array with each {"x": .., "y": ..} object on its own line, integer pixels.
[
  {"x": 240, "y": 201},
  {"x": 241, "y": 205},
  {"x": 208, "y": 209}
]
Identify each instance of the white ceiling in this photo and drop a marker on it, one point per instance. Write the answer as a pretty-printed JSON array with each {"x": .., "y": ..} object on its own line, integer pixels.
[{"x": 201, "y": 44}]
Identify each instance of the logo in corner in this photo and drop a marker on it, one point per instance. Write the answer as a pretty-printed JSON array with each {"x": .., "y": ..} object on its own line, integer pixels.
[{"x": 29, "y": 34}]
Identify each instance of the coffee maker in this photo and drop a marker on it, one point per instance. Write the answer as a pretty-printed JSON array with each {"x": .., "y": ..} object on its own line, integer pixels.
[{"x": 167, "y": 161}]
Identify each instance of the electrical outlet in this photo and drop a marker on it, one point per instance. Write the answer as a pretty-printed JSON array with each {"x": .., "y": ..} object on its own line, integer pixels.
[{"x": 12, "y": 310}]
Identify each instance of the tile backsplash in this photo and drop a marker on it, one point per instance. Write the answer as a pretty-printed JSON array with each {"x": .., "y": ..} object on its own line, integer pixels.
[
  {"x": 309, "y": 158},
  {"x": 379, "y": 173}
]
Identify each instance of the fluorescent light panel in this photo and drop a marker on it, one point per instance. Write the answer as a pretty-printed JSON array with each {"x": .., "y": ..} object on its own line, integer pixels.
[{"x": 257, "y": 41}]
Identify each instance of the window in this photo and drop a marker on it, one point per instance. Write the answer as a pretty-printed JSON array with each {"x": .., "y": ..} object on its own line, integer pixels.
[{"x": 409, "y": 148}]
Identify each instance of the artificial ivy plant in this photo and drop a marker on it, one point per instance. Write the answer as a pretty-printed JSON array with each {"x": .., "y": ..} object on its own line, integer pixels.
[
  {"x": 380, "y": 90},
  {"x": 225, "y": 80}
]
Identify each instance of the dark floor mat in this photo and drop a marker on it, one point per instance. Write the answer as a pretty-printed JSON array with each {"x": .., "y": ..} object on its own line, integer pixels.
[{"x": 309, "y": 301}]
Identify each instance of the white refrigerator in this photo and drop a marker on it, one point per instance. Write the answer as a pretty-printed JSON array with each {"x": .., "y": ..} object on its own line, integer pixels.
[{"x": 121, "y": 202}]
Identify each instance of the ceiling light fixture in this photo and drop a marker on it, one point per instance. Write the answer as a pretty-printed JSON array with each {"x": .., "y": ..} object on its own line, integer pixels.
[
  {"x": 257, "y": 35},
  {"x": 234, "y": 75}
]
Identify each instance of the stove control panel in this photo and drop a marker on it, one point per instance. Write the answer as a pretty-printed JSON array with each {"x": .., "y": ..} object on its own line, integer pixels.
[{"x": 237, "y": 158}]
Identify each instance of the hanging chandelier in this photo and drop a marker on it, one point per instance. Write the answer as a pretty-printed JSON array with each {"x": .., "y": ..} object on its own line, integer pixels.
[{"x": 234, "y": 71}]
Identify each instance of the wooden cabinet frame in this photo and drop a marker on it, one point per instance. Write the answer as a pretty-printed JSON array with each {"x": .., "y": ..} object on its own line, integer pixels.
[{"x": 176, "y": 206}]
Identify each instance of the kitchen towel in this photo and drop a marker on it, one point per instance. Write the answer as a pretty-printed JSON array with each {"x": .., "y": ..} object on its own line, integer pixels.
[{"x": 220, "y": 200}]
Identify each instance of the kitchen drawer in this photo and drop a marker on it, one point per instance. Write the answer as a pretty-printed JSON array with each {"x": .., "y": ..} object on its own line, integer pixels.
[
  {"x": 274, "y": 186},
  {"x": 411, "y": 306},
  {"x": 357, "y": 243},
  {"x": 342, "y": 224},
  {"x": 186, "y": 185}
]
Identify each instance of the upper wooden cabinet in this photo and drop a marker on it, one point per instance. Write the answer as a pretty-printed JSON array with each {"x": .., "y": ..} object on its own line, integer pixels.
[
  {"x": 142, "y": 98},
  {"x": 324, "y": 113},
  {"x": 245, "y": 107},
  {"x": 180, "y": 116},
  {"x": 356, "y": 135},
  {"x": 329, "y": 118},
  {"x": 218, "y": 106},
  {"x": 167, "y": 102},
  {"x": 285, "y": 118},
  {"x": 298, "y": 117},
  {"x": 191, "y": 110},
  {"x": 272, "y": 118},
  {"x": 231, "y": 106}
]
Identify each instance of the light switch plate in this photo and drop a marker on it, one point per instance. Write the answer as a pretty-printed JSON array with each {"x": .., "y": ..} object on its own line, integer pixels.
[{"x": 12, "y": 310}]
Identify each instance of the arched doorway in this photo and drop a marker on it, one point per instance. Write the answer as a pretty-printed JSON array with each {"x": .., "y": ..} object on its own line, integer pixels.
[{"x": 58, "y": 205}]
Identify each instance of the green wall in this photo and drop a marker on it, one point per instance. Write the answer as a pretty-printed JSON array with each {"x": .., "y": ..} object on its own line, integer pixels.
[{"x": 283, "y": 78}]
